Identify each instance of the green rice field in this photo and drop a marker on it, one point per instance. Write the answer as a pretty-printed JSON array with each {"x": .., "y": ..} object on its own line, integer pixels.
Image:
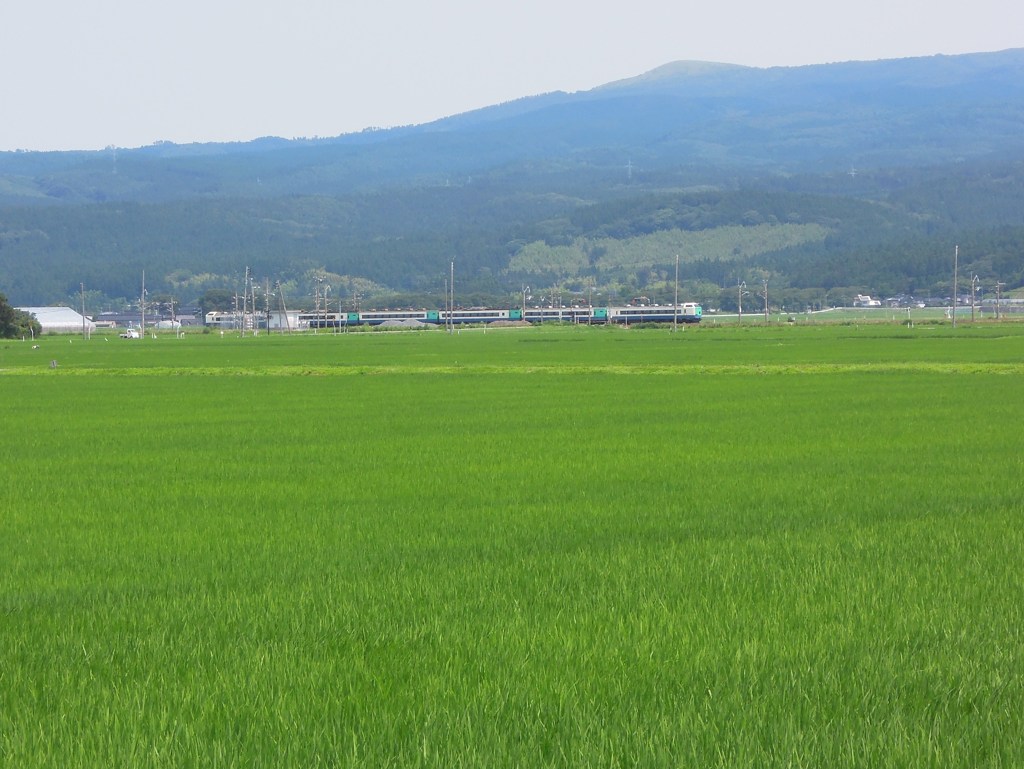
[{"x": 784, "y": 546}]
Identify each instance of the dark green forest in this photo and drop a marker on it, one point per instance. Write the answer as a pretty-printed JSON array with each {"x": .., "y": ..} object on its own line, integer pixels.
[{"x": 828, "y": 181}]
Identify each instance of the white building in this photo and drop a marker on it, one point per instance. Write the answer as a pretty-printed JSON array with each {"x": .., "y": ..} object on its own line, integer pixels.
[
  {"x": 278, "y": 321},
  {"x": 863, "y": 300},
  {"x": 60, "y": 320}
]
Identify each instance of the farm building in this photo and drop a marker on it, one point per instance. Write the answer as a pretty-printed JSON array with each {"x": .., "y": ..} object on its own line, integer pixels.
[{"x": 60, "y": 320}]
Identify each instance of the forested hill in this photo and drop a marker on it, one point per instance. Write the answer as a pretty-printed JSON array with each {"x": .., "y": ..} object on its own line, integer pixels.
[{"x": 828, "y": 176}]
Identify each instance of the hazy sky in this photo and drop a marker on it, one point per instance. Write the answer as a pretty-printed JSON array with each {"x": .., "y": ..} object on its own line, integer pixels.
[{"x": 85, "y": 74}]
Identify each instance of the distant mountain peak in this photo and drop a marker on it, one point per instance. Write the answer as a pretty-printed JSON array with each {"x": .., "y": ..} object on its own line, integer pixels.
[{"x": 675, "y": 70}]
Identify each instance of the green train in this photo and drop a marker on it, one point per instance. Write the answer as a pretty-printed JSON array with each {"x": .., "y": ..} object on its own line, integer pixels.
[{"x": 689, "y": 312}]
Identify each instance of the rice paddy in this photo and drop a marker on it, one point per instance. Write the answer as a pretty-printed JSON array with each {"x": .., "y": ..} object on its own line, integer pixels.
[{"x": 734, "y": 547}]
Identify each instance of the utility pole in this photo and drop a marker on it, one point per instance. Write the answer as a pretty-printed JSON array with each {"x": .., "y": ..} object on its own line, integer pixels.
[
  {"x": 252, "y": 292},
  {"x": 974, "y": 286},
  {"x": 451, "y": 287},
  {"x": 956, "y": 260},
  {"x": 245, "y": 300},
  {"x": 142, "y": 301},
  {"x": 764, "y": 282},
  {"x": 317, "y": 293},
  {"x": 675, "y": 300},
  {"x": 85, "y": 335},
  {"x": 739, "y": 298},
  {"x": 327, "y": 305},
  {"x": 999, "y": 296},
  {"x": 284, "y": 309},
  {"x": 170, "y": 306}
]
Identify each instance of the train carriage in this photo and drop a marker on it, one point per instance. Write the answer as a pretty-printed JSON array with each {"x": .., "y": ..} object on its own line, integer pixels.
[
  {"x": 689, "y": 312},
  {"x": 474, "y": 315}
]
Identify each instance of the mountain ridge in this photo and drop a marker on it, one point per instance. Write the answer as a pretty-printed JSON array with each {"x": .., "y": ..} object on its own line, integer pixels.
[{"x": 689, "y": 145}]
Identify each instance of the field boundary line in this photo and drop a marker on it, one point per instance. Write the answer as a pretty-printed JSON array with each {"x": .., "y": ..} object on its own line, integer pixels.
[{"x": 750, "y": 369}]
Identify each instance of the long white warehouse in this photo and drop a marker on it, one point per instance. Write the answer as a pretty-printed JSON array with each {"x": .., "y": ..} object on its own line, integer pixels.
[{"x": 60, "y": 320}]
